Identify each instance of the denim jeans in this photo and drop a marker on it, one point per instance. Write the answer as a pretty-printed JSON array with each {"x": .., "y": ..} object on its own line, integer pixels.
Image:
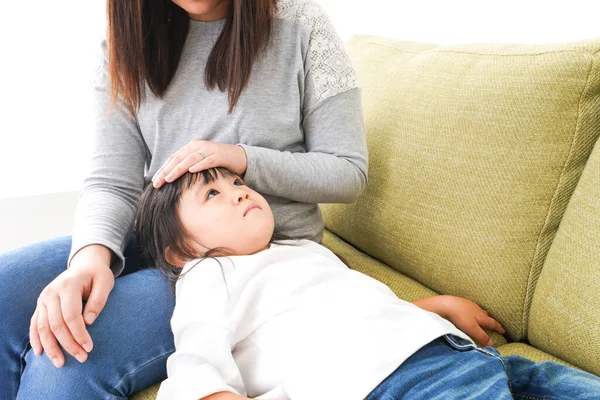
[
  {"x": 453, "y": 368},
  {"x": 132, "y": 337}
]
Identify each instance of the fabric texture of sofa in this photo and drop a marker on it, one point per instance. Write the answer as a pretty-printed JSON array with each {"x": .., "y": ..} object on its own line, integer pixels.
[{"x": 484, "y": 183}]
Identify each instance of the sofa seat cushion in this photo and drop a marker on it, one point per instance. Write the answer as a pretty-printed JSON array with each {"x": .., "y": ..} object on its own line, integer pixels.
[
  {"x": 149, "y": 393},
  {"x": 474, "y": 151},
  {"x": 527, "y": 351}
]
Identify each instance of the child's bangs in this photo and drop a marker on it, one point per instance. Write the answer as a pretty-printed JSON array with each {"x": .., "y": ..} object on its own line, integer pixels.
[{"x": 207, "y": 176}]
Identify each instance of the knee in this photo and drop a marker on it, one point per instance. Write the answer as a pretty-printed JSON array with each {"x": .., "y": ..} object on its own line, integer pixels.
[{"x": 74, "y": 380}]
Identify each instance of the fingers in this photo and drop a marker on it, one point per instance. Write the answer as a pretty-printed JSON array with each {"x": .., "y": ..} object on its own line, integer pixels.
[
  {"x": 97, "y": 300},
  {"x": 71, "y": 308},
  {"x": 193, "y": 159},
  {"x": 177, "y": 165},
  {"x": 34, "y": 337},
  {"x": 60, "y": 330},
  {"x": 47, "y": 338},
  {"x": 159, "y": 177},
  {"x": 480, "y": 336},
  {"x": 208, "y": 162},
  {"x": 489, "y": 322}
]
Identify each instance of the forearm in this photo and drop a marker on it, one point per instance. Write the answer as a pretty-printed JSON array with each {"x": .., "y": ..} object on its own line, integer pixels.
[
  {"x": 436, "y": 304},
  {"x": 334, "y": 166},
  {"x": 304, "y": 177},
  {"x": 105, "y": 218},
  {"x": 114, "y": 180}
]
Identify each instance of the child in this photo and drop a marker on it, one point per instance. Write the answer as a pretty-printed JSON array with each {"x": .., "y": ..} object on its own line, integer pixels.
[{"x": 267, "y": 319}]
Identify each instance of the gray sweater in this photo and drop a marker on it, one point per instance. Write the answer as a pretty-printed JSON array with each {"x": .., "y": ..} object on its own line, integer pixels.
[{"x": 299, "y": 120}]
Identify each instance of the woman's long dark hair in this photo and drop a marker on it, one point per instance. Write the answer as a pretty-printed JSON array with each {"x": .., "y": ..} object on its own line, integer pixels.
[{"x": 146, "y": 38}]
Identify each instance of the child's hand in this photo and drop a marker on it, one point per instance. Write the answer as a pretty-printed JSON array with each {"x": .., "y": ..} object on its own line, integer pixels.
[
  {"x": 470, "y": 318},
  {"x": 464, "y": 314}
]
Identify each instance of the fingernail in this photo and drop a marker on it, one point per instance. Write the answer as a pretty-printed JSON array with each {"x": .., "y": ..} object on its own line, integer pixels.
[
  {"x": 87, "y": 347},
  {"x": 57, "y": 362},
  {"x": 91, "y": 317},
  {"x": 80, "y": 357}
]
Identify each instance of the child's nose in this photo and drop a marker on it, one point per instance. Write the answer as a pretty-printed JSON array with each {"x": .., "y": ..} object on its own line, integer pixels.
[{"x": 241, "y": 195}]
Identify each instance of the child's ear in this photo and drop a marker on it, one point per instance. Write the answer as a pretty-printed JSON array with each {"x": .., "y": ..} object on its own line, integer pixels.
[{"x": 174, "y": 259}]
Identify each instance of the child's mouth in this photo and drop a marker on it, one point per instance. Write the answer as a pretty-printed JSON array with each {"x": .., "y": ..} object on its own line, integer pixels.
[{"x": 250, "y": 208}]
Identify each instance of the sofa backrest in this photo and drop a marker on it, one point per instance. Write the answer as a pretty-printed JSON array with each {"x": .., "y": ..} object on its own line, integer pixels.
[
  {"x": 474, "y": 151},
  {"x": 565, "y": 312}
]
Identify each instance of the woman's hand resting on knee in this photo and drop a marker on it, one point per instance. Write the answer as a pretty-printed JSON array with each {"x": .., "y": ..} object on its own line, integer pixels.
[{"x": 58, "y": 317}]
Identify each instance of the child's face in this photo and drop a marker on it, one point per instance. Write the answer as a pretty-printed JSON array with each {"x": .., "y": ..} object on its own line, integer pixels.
[{"x": 226, "y": 213}]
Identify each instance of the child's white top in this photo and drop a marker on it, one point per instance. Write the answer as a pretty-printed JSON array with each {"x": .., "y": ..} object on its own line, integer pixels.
[{"x": 290, "y": 322}]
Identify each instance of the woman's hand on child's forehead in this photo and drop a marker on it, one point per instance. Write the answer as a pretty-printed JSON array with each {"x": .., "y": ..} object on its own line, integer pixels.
[{"x": 200, "y": 155}]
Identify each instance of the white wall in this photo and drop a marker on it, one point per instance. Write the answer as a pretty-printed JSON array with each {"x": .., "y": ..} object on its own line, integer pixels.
[
  {"x": 49, "y": 50},
  {"x": 468, "y": 21},
  {"x": 48, "y": 53}
]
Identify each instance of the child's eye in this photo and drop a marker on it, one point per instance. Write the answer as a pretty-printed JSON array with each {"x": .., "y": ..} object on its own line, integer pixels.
[
  {"x": 211, "y": 193},
  {"x": 238, "y": 182}
]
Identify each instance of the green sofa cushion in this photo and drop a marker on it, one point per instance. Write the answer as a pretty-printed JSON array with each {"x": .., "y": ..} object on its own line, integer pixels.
[
  {"x": 474, "y": 151},
  {"x": 404, "y": 287},
  {"x": 565, "y": 313},
  {"x": 527, "y": 351}
]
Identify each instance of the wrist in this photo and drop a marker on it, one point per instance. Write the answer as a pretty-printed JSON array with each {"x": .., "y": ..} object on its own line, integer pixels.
[
  {"x": 445, "y": 306},
  {"x": 93, "y": 253},
  {"x": 440, "y": 305},
  {"x": 243, "y": 161}
]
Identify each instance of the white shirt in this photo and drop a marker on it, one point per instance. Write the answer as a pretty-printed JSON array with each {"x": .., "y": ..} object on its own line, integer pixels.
[{"x": 289, "y": 322}]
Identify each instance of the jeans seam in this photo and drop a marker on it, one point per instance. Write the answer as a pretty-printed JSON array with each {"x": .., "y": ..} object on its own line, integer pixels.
[
  {"x": 531, "y": 398},
  {"x": 138, "y": 368},
  {"x": 503, "y": 366},
  {"x": 489, "y": 353},
  {"x": 23, "y": 354},
  {"x": 460, "y": 346}
]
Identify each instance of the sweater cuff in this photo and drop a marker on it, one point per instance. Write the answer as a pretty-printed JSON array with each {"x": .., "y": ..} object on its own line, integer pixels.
[
  {"x": 117, "y": 257},
  {"x": 251, "y": 155}
]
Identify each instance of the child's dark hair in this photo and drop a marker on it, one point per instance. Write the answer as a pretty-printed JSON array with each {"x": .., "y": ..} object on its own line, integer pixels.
[{"x": 158, "y": 225}]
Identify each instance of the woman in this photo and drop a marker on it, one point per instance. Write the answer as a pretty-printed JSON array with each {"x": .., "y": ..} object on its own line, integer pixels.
[{"x": 262, "y": 88}]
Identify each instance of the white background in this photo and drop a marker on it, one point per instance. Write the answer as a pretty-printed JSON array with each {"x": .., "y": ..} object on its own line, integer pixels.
[{"x": 49, "y": 50}]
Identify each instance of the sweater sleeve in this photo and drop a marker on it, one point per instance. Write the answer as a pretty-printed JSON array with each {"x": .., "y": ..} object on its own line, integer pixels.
[
  {"x": 106, "y": 207},
  {"x": 202, "y": 363},
  {"x": 335, "y": 165}
]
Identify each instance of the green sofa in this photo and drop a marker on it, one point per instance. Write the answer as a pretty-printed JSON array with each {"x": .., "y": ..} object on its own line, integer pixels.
[{"x": 484, "y": 183}]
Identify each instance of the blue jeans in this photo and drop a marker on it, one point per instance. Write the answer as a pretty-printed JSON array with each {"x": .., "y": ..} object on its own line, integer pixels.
[
  {"x": 132, "y": 337},
  {"x": 453, "y": 368}
]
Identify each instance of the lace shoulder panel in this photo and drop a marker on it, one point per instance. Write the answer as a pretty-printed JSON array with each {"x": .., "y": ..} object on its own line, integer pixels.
[{"x": 331, "y": 68}]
